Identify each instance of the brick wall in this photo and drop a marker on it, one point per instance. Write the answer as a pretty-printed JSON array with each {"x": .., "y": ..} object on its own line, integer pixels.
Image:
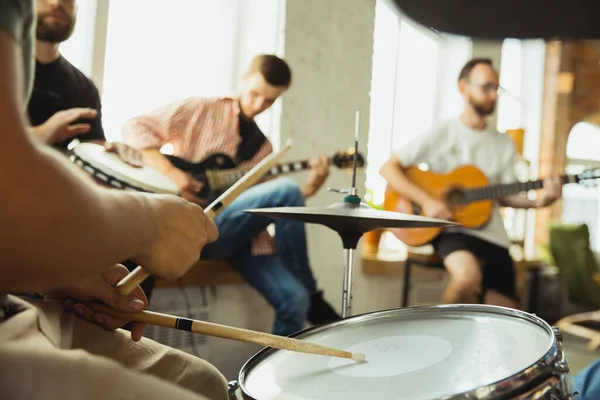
[{"x": 571, "y": 93}]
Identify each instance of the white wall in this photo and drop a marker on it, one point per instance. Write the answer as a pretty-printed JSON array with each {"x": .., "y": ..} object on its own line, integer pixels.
[{"x": 329, "y": 45}]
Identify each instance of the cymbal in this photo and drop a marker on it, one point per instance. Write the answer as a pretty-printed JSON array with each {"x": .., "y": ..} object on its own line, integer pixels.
[
  {"x": 345, "y": 217},
  {"x": 520, "y": 19}
]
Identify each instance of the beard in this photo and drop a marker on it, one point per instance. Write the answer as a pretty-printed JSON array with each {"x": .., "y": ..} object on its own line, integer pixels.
[
  {"x": 54, "y": 33},
  {"x": 483, "y": 109}
]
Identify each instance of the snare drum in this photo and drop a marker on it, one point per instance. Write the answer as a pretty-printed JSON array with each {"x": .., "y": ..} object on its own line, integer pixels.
[
  {"x": 108, "y": 169},
  {"x": 436, "y": 352}
]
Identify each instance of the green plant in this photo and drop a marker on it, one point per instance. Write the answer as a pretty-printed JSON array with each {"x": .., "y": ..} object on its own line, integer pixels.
[{"x": 369, "y": 200}]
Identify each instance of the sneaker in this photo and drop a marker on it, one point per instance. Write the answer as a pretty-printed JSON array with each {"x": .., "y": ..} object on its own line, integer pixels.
[{"x": 320, "y": 311}]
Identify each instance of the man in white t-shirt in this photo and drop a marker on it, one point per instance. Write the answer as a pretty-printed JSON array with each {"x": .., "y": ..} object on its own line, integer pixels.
[{"x": 478, "y": 261}]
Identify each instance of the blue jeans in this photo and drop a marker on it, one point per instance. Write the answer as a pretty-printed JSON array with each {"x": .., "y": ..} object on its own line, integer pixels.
[
  {"x": 285, "y": 279},
  {"x": 587, "y": 382}
]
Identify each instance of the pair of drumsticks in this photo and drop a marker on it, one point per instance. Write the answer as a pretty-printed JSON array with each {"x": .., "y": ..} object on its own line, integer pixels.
[{"x": 138, "y": 275}]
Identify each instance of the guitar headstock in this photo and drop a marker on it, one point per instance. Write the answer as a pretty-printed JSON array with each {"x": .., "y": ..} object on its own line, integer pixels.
[
  {"x": 588, "y": 177},
  {"x": 344, "y": 159}
]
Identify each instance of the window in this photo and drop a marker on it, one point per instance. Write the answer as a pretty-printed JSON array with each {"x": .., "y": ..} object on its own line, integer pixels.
[
  {"x": 158, "y": 52},
  {"x": 408, "y": 57},
  {"x": 79, "y": 48},
  {"x": 580, "y": 203},
  {"x": 383, "y": 94},
  {"x": 510, "y": 109}
]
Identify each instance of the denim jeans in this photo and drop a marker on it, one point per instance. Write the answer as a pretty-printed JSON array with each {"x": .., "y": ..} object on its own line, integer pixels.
[
  {"x": 285, "y": 279},
  {"x": 587, "y": 382}
]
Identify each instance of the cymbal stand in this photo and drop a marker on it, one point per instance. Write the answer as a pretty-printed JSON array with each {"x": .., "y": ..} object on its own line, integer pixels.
[{"x": 350, "y": 238}]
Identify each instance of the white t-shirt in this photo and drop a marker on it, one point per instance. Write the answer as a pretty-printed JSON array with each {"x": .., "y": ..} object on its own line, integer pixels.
[{"x": 450, "y": 144}]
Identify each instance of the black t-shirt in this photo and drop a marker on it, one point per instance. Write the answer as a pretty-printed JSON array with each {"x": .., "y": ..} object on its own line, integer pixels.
[
  {"x": 59, "y": 86},
  {"x": 252, "y": 139}
]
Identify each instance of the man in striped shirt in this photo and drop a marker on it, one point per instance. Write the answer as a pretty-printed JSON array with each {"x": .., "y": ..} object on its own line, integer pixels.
[{"x": 278, "y": 266}]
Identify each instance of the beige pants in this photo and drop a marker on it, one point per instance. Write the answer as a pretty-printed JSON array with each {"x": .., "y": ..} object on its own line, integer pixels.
[{"x": 48, "y": 354}]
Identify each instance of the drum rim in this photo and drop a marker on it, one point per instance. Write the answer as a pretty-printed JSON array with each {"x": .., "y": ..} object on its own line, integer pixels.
[
  {"x": 140, "y": 186},
  {"x": 502, "y": 387}
]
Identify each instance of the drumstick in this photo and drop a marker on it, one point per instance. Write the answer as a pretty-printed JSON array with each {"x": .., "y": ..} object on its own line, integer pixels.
[
  {"x": 227, "y": 332},
  {"x": 139, "y": 275}
]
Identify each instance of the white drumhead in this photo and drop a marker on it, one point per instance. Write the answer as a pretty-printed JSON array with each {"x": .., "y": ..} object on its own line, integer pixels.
[
  {"x": 145, "y": 178},
  {"x": 412, "y": 354}
]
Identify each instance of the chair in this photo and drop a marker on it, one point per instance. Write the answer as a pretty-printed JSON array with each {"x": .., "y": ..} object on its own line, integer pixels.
[
  {"x": 577, "y": 266},
  {"x": 419, "y": 258},
  {"x": 578, "y": 273},
  {"x": 422, "y": 258}
]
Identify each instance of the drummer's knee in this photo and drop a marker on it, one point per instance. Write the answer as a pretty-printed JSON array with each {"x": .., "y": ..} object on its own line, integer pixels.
[
  {"x": 215, "y": 384},
  {"x": 199, "y": 376}
]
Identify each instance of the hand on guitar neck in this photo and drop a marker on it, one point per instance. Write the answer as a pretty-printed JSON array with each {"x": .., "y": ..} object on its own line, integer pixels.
[{"x": 319, "y": 171}]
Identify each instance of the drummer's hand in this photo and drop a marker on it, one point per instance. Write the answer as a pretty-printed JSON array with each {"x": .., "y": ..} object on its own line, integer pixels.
[
  {"x": 188, "y": 186},
  {"x": 435, "y": 208},
  {"x": 102, "y": 287},
  {"x": 58, "y": 127},
  {"x": 319, "y": 171},
  {"x": 181, "y": 229},
  {"x": 125, "y": 153}
]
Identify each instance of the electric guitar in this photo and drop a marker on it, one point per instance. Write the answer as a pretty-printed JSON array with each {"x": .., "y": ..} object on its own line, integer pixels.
[
  {"x": 467, "y": 194},
  {"x": 218, "y": 172}
]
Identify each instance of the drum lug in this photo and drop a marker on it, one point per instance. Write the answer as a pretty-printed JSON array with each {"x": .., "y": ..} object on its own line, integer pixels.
[
  {"x": 557, "y": 333},
  {"x": 232, "y": 389},
  {"x": 562, "y": 367}
]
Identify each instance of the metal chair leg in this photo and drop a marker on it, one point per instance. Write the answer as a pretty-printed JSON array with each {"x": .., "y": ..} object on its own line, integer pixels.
[{"x": 406, "y": 283}]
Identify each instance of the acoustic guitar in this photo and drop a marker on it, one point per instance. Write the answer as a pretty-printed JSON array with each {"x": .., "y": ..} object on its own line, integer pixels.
[
  {"x": 467, "y": 194},
  {"x": 218, "y": 171}
]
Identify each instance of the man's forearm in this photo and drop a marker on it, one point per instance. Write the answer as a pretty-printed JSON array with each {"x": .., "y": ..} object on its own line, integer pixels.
[
  {"x": 41, "y": 134},
  {"x": 75, "y": 226},
  {"x": 518, "y": 201},
  {"x": 155, "y": 159}
]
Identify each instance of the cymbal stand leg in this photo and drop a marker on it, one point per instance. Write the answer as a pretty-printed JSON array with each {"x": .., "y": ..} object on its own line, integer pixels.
[{"x": 347, "y": 293}]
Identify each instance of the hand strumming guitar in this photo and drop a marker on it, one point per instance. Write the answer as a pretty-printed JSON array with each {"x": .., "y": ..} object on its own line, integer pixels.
[
  {"x": 435, "y": 208},
  {"x": 188, "y": 186}
]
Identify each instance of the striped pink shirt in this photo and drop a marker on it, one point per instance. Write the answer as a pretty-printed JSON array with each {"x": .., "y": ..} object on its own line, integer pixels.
[{"x": 197, "y": 127}]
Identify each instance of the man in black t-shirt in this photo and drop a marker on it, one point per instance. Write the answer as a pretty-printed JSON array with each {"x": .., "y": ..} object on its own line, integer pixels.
[
  {"x": 65, "y": 104},
  {"x": 61, "y": 94}
]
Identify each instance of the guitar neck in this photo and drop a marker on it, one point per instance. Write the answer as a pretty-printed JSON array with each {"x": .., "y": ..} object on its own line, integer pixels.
[
  {"x": 225, "y": 178},
  {"x": 493, "y": 192},
  {"x": 286, "y": 168}
]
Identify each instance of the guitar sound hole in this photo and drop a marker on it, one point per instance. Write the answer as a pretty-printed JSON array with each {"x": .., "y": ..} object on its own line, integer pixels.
[{"x": 455, "y": 197}]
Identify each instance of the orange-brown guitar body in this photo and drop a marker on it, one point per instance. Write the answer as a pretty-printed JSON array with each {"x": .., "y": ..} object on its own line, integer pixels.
[{"x": 445, "y": 187}]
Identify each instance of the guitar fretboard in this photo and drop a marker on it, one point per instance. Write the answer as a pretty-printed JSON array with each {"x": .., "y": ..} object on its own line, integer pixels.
[
  {"x": 226, "y": 178},
  {"x": 496, "y": 191}
]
